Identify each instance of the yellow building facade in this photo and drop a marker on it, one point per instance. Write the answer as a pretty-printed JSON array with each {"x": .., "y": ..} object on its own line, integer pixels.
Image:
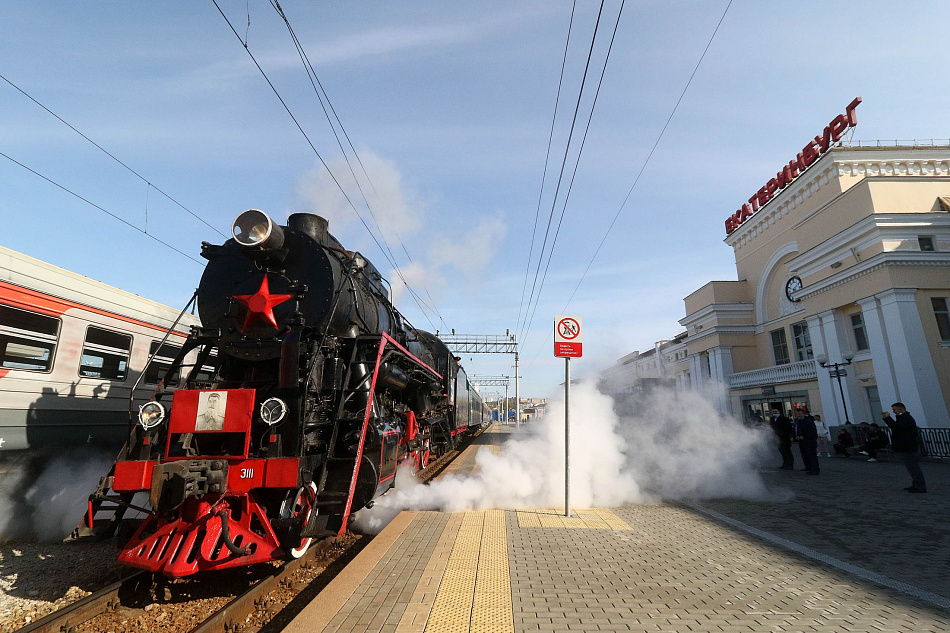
[{"x": 849, "y": 263}]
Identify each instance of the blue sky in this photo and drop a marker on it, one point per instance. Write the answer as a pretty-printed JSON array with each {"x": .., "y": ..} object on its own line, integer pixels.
[{"x": 449, "y": 106}]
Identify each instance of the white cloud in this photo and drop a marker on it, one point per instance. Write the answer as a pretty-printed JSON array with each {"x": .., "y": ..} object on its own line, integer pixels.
[
  {"x": 461, "y": 253},
  {"x": 419, "y": 278},
  {"x": 396, "y": 208},
  {"x": 471, "y": 249}
]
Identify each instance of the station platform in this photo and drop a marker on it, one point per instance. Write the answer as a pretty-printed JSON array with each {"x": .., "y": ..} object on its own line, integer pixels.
[{"x": 850, "y": 552}]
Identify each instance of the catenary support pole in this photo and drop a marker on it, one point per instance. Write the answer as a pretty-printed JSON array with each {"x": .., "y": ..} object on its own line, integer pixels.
[
  {"x": 507, "y": 421},
  {"x": 567, "y": 437},
  {"x": 517, "y": 394}
]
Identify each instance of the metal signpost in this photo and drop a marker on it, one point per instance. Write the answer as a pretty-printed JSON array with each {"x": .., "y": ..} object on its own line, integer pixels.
[{"x": 567, "y": 345}]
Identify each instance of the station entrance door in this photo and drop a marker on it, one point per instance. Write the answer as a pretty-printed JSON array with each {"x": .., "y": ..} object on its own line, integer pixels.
[{"x": 786, "y": 403}]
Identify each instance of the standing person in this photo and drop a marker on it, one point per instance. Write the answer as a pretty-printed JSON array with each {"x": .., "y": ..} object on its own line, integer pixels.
[
  {"x": 807, "y": 435},
  {"x": 782, "y": 427},
  {"x": 824, "y": 436},
  {"x": 904, "y": 443}
]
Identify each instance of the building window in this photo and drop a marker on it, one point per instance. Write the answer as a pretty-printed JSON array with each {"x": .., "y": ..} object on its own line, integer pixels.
[
  {"x": 160, "y": 364},
  {"x": 926, "y": 242},
  {"x": 27, "y": 339},
  {"x": 943, "y": 317},
  {"x": 802, "y": 341},
  {"x": 860, "y": 334},
  {"x": 780, "y": 347},
  {"x": 704, "y": 362},
  {"x": 105, "y": 355}
]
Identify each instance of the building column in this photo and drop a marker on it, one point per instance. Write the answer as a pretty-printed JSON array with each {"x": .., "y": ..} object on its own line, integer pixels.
[
  {"x": 914, "y": 372},
  {"x": 720, "y": 365},
  {"x": 826, "y": 338},
  {"x": 880, "y": 351},
  {"x": 829, "y": 402},
  {"x": 696, "y": 371}
]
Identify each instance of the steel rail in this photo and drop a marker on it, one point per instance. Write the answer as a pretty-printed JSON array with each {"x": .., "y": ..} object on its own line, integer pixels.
[{"x": 72, "y": 615}]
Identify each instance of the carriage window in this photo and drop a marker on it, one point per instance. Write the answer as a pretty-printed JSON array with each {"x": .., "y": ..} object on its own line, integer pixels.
[
  {"x": 27, "y": 339},
  {"x": 105, "y": 355},
  {"x": 160, "y": 364}
]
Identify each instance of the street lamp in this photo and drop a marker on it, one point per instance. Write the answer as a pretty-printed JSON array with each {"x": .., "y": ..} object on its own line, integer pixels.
[{"x": 838, "y": 372}]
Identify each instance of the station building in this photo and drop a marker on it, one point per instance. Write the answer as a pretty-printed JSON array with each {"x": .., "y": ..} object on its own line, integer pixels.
[{"x": 848, "y": 262}]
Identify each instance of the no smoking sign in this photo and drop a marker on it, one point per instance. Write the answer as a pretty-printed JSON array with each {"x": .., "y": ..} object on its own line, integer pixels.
[{"x": 567, "y": 336}]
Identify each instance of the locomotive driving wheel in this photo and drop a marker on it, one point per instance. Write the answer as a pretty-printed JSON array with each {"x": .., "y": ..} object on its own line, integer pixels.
[
  {"x": 297, "y": 508},
  {"x": 424, "y": 454}
]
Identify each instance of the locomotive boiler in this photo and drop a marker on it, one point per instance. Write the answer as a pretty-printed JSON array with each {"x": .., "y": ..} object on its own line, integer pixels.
[{"x": 321, "y": 390}]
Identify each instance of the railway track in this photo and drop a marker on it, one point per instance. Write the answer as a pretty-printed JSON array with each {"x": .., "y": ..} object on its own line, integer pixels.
[{"x": 275, "y": 595}]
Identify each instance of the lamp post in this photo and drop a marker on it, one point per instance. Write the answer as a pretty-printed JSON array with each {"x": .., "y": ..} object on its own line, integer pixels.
[{"x": 837, "y": 372}]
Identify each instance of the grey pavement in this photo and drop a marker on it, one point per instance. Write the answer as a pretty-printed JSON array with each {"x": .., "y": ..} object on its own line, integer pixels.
[{"x": 858, "y": 512}]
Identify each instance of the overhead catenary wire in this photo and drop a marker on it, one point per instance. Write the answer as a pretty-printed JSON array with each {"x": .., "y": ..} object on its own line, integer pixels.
[
  {"x": 324, "y": 100},
  {"x": 547, "y": 156},
  {"x": 349, "y": 201},
  {"x": 567, "y": 148},
  {"x": 93, "y": 204},
  {"x": 645, "y": 162},
  {"x": 577, "y": 161},
  {"x": 112, "y": 156}
]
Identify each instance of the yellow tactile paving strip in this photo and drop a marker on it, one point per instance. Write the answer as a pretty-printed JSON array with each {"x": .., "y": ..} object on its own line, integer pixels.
[
  {"x": 475, "y": 593},
  {"x": 590, "y": 519}
]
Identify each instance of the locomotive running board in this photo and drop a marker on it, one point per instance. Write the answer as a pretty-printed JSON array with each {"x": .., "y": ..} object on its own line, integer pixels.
[{"x": 384, "y": 340}]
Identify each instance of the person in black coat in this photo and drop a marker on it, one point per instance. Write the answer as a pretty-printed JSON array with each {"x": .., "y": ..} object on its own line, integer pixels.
[
  {"x": 782, "y": 427},
  {"x": 807, "y": 435},
  {"x": 845, "y": 441},
  {"x": 875, "y": 442},
  {"x": 904, "y": 443}
]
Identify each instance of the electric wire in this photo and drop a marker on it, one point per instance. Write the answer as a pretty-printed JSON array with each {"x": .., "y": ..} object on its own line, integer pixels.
[
  {"x": 109, "y": 213},
  {"x": 324, "y": 100},
  {"x": 567, "y": 149},
  {"x": 577, "y": 161},
  {"x": 412, "y": 292},
  {"x": 110, "y": 155},
  {"x": 644, "y": 165},
  {"x": 652, "y": 150},
  {"x": 547, "y": 156}
]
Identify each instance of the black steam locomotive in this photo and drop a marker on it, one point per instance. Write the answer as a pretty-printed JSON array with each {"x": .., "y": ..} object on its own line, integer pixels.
[{"x": 321, "y": 391}]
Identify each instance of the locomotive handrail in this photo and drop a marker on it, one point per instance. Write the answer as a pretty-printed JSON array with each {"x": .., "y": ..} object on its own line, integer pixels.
[{"x": 151, "y": 357}]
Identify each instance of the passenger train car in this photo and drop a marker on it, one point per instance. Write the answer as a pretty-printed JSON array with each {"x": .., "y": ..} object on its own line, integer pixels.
[{"x": 71, "y": 349}]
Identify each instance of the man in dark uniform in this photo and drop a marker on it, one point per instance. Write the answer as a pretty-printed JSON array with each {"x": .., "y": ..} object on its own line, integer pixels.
[
  {"x": 807, "y": 435},
  {"x": 782, "y": 427},
  {"x": 904, "y": 443}
]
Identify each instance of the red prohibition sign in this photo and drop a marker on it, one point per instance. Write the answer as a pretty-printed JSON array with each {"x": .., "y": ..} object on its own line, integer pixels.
[{"x": 568, "y": 328}]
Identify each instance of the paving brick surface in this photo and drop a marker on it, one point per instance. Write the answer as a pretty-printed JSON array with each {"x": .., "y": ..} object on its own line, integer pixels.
[
  {"x": 380, "y": 601},
  {"x": 859, "y": 513},
  {"x": 680, "y": 571}
]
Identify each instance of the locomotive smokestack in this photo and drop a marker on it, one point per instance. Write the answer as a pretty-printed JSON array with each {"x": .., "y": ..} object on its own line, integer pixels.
[
  {"x": 313, "y": 225},
  {"x": 255, "y": 228}
]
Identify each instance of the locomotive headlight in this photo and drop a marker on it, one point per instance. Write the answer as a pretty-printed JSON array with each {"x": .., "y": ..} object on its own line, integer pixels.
[
  {"x": 255, "y": 228},
  {"x": 151, "y": 415},
  {"x": 273, "y": 410}
]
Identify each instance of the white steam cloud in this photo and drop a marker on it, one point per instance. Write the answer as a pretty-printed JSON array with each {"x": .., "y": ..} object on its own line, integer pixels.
[
  {"x": 673, "y": 445},
  {"x": 46, "y": 503}
]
